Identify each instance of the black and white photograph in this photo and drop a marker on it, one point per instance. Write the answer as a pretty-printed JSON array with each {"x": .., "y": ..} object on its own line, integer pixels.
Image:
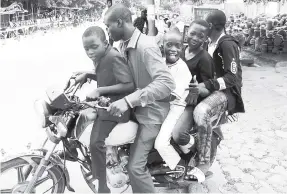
[{"x": 143, "y": 96}]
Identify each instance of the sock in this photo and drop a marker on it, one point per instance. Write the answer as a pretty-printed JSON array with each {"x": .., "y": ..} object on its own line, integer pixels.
[{"x": 186, "y": 148}]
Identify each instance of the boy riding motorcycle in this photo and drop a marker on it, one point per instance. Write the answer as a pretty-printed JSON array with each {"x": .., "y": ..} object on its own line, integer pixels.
[
  {"x": 226, "y": 88},
  {"x": 114, "y": 80}
]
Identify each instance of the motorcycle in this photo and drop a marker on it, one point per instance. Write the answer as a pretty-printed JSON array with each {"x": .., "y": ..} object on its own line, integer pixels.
[{"x": 59, "y": 119}]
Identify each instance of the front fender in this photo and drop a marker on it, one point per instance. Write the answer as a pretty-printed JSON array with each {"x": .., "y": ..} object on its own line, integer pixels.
[{"x": 40, "y": 153}]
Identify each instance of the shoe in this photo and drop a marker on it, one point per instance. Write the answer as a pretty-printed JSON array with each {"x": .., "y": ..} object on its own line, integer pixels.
[
  {"x": 199, "y": 173},
  {"x": 195, "y": 174}
]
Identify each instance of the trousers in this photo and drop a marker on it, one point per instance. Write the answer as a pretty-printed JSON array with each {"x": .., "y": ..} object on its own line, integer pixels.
[
  {"x": 180, "y": 133},
  {"x": 140, "y": 178},
  {"x": 162, "y": 142},
  {"x": 208, "y": 110},
  {"x": 100, "y": 132}
]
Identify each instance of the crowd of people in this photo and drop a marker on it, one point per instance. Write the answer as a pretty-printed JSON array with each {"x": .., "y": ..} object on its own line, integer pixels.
[
  {"x": 263, "y": 34},
  {"x": 166, "y": 91}
]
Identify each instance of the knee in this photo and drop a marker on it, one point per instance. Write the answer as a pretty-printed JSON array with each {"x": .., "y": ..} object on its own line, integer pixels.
[
  {"x": 135, "y": 169},
  {"x": 97, "y": 146},
  {"x": 200, "y": 114},
  {"x": 88, "y": 115},
  {"x": 178, "y": 137}
]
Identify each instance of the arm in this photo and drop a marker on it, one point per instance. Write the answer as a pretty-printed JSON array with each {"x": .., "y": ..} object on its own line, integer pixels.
[
  {"x": 230, "y": 57},
  {"x": 162, "y": 82},
  {"x": 117, "y": 89},
  {"x": 92, "y": 76},
  {"x": 182, "y": 79},
  {"x": 207, "y": 69}
]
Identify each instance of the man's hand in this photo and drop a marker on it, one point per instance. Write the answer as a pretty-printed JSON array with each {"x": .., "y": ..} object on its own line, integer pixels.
[
  {"x": 118, "y": 107},
  {"x": 93, "y": 95}
]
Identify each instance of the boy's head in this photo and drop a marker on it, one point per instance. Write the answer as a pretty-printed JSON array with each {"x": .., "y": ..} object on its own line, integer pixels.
[
  {"x": 172, "y": 45},
  {"x": 109, "y": 3},
  {"x": 217, "y": 20},
  {"x": 95, "y": 43},
  {"x": 197, "y": 33},
  {"x": 144, "y": 14},
  {"x": 116, "y": 18}
]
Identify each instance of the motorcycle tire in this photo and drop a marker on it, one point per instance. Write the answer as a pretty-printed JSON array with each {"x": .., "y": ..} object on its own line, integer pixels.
[{"x": 55, "y": 173}]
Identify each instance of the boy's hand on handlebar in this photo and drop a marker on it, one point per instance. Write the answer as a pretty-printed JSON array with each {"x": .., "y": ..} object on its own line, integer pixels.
[
  {"x": 82, "y": 78},
  {"x": 77, "y": 78}
]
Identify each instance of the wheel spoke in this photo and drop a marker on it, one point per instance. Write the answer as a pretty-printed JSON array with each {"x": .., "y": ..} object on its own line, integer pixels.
[
  {"x": 6, "y": 191},
  {"x": 42, "y": 180},
  {"x": 21, "y": 177}
]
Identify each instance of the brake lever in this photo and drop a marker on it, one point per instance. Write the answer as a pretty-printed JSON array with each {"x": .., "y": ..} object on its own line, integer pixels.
[{"x": 95, "y": 105}]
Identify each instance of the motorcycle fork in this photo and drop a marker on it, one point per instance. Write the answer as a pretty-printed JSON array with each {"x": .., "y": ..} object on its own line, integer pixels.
[{"x": 41, "y": 168}]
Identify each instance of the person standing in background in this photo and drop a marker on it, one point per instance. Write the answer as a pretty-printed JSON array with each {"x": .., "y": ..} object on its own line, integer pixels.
[
  {"x": 140, "y": 22},
  {"x": 109, "y": 4}
]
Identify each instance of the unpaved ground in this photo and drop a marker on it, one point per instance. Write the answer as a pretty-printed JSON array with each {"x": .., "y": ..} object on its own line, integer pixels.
[
  {"x": 253, "y": 154},
  {"x": 252, "y": 157}
]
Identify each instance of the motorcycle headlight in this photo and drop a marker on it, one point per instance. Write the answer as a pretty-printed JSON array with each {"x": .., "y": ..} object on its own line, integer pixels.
[{"x": 42, "y": 111}]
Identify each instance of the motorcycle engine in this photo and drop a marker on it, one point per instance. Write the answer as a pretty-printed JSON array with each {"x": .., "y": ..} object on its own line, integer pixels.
[{"x": 117, "y": 175}]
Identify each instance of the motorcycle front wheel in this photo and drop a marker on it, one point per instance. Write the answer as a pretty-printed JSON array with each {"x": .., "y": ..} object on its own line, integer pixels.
[{"x": 54, "y": 176}]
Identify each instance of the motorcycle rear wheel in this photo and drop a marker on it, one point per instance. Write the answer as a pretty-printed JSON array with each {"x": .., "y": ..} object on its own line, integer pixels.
[{"x": 55, "y": 173}]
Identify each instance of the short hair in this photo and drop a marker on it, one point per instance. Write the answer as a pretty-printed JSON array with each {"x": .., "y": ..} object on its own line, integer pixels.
[
  {"x": 119, "y": 11},
  {"x": 172, "y": 32},
  {"x": 95, "y": 31},
  {"x": 174, "y": 29},
  {"x": 217, "y": 18},
  {"x": 200, "y": 22}
]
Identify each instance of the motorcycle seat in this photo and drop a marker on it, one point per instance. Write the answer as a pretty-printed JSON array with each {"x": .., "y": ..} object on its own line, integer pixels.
[{"x": 123, "y": 133}]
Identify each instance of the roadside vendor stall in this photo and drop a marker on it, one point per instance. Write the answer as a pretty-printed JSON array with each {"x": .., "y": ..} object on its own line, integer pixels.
[{"x": 12, "y": 23}]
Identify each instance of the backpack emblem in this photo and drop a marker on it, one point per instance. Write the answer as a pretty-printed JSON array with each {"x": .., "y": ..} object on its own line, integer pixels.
[{"x": 233, "y": 66}]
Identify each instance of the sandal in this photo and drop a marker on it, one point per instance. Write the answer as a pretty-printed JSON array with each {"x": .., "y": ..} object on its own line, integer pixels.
[{"x": 195, "y": 174}]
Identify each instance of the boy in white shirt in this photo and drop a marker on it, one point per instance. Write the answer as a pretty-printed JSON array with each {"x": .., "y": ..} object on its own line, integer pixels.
[{"x": 172, "y": 49}]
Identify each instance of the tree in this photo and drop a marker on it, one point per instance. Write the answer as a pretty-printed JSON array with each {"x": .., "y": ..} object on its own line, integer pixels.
[
  {"x": 167, "y": 7},
  {"x": 127, "y": 3}
]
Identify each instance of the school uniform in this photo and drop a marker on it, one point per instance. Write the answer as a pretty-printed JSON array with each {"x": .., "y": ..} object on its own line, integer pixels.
[
  {"x": 182, "y": 77},
  {"x": 112, "y": 69}
]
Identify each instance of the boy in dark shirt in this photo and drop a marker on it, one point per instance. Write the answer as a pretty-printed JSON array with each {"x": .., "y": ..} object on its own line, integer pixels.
[
  {"x": 114, "y": 80},
  {"x": 201, "y": 66},
  {"x": 225, "y": 88}
]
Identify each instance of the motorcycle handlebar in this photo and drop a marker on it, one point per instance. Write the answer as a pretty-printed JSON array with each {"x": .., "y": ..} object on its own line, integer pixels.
[{"x": 93, "y": 104}]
